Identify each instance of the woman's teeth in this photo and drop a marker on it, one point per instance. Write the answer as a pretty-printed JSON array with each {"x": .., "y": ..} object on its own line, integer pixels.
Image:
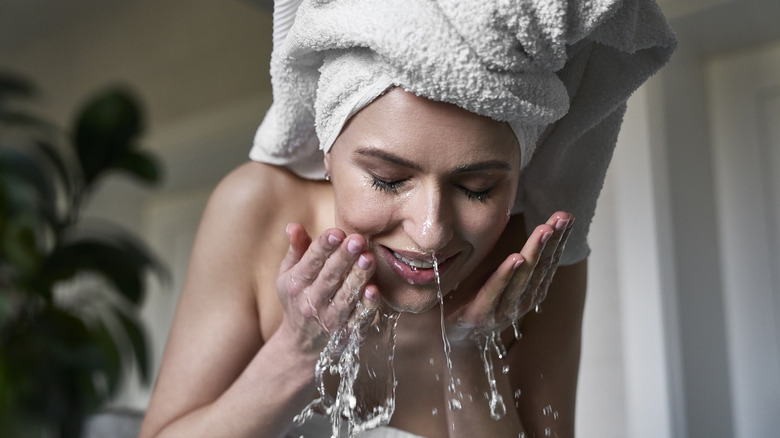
[{"x": 417, "y": 264}]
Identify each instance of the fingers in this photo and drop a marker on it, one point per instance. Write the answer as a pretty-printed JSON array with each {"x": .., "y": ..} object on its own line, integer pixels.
[
  {"x": 365, "y": 313},
  {"x": 309, "y": 265},
  {"x": 326, "y": 278},
  {"x": 548, "y": 263},
  {"x": 348, "y": 264},
  {"x": 521, "y": 282},
  {"x": 486, "y": 301},
  {"x": 530, "y": 281},
  {"x": 299, "y": 242},
  {"x": 348, "y": 290}
]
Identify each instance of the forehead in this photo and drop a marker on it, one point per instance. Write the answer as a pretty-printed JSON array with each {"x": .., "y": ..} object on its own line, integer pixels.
[{"x": 409, "y": 124}]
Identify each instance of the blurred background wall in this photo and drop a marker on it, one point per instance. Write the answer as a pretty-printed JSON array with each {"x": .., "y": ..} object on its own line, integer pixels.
[{"x": 682, "y": 324}]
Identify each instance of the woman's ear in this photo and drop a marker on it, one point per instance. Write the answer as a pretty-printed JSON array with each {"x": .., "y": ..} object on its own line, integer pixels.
[{"x": 326, "y": 162}]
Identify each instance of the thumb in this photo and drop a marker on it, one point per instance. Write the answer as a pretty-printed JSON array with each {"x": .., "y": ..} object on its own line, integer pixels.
[
  {"x": 365, "y": 314},
  {"x": 299, "y": 243}
]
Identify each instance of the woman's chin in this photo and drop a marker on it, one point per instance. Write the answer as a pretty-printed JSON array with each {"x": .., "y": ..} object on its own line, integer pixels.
[{"x": 410, "y": 301}]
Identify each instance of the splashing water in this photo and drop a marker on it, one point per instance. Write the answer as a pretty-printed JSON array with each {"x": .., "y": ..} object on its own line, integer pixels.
[
  {"x": 454, "y": 402},
  {"x": 516, "y": 329},
  {"x": 341, "y": 356},
  {"x": 495, "y": 400}
]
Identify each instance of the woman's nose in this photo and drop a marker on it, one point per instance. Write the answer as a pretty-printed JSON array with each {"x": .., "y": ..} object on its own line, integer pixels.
[{"x": 429, "y": 221}]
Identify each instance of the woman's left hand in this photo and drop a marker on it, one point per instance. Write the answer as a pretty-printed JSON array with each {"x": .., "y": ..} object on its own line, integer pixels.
[{"x": 518, "y": 285}]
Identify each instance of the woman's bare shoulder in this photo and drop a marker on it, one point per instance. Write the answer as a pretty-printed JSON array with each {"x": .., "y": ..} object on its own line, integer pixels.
[
  {"x": 254, "y": 187},
  {"x": 248, "y": 212}
]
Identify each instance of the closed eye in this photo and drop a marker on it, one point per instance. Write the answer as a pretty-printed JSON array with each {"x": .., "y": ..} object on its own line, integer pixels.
[
  {"x": 472, "y": 195},
  {"x": 386, "y": 186}
]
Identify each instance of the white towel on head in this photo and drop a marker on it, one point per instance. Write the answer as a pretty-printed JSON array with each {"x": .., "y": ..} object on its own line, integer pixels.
[{"x": 559, "y": 72}]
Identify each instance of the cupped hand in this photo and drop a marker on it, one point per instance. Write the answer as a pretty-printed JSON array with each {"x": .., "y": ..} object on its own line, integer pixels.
[
  {"x": 323, "y": 287},
  {"x": 518, "y": 285}
]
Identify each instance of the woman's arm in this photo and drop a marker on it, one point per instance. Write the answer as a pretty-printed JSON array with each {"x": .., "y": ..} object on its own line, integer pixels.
[
  {"x": 217, "y": 377},
  {"x": 544, "y": 363},
  {"x": 212, "y": 377}
]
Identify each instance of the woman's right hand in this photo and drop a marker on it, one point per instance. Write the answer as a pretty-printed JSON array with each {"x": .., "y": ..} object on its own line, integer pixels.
[{"x": 323, "y": 287}]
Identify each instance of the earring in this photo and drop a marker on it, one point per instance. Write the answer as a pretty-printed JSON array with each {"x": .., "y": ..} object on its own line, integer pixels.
[{"x": 327, "y": 176}]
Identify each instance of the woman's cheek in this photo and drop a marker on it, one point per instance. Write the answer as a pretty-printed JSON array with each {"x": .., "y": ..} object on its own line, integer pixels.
[
  {"x": 363, "y": 210},
  {"x": 485, "y": 225}
]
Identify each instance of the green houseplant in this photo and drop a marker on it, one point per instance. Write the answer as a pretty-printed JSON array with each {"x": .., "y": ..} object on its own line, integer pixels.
[{"x": 70, "y": 290}]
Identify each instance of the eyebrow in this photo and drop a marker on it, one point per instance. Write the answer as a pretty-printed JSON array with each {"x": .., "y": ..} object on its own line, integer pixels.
[
  {"x": 464, "y": 168},
  {"x": 388, "y": 157},
  {"x": 483, "y": 165}
]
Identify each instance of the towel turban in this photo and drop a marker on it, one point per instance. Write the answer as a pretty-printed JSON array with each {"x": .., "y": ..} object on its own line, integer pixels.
[{"x": 558, "y": 72}]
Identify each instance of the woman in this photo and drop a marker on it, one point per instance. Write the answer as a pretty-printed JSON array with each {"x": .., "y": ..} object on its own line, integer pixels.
[{"x": 422, "y": 175}]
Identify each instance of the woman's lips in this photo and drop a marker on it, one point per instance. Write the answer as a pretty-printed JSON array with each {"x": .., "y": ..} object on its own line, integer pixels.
[{"x": 414, "y": 268}]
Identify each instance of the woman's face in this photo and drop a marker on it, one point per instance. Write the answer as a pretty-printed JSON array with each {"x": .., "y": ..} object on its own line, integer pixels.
[{"x": 422, "y": 179}]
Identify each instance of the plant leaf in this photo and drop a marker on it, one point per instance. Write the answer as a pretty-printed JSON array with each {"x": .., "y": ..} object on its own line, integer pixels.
[
  {"x": 111, "y": 356},
  {"x": 23, "y": 119},
  {"x": 18, "y": 244},
  {"x": 135, "y": 333},
  {"x": 21, "y": 168},
  {"x": 105, "y": 131},
  {"x": 59, "y": 165},
  {"x": 14, "y": 85},
  {"x": 119, "y": 266},
  {"x": 139, "y": 164}
]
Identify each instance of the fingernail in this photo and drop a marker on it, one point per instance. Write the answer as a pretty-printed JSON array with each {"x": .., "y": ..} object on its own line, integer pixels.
[
  {"x": 370, "y": 294},
  {"x": 333, "y": 240},
  {"x": 546, "y": 236},
  {"x": 517, "y": 264},
  {"x": 562, "y": 224},
  {"x": 354, "y": 247},
  {"x": 364, "y": 262}
]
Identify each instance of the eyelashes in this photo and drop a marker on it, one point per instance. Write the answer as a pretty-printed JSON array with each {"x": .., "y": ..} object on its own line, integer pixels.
[
  {"x": 384, "y": 186},
  {"x": 482, "y": 196},
  {"x": 393, "y": 186}
]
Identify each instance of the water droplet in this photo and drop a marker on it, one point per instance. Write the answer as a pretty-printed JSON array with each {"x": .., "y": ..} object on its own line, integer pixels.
[
  {"x": 547, "y": 410},
  {"x": 546, "y": 431},
  {"x": 517, "y": 393},
  {"x": 518, "y": 335},
  {"x": 538, "y": 308},
  {"x": 435, "y": 411},
  {"x": 555, "y": 415},
  {"x": 505, "y": 369},
  {"x": 430, "y": 361},
  {"x": 495, "y": 400}
]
